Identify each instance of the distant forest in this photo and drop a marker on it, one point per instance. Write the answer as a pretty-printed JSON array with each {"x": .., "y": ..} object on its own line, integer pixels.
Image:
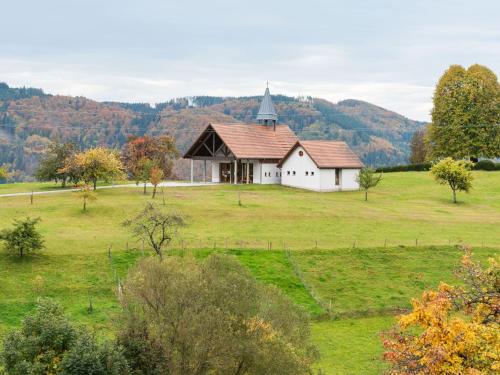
[{"x": 31, "y": 119}]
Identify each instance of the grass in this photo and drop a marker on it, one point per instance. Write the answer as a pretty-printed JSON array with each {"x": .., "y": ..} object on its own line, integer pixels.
[{"x": 365, "y": 284}]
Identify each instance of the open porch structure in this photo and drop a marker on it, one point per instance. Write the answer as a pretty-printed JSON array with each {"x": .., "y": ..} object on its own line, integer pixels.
[{"x": 242, "y": 153}]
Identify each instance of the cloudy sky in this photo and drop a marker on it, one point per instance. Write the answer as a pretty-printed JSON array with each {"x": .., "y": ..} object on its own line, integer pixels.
[{"x": 390, "y": 53}]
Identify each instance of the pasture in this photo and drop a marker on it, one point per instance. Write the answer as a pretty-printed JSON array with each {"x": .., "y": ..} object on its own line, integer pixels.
[{"x": 351, "y": 264}]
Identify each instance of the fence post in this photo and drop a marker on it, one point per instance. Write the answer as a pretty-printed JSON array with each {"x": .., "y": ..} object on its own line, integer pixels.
[
  {"x": 416, "y": 242},
  {"x": 109, "y": 251},
  {"x": 354, "y": 244},
  {"x": 385, "y": 243},
  {"x": 31, "y": 197},
  {"x": 316, "y": 244}
]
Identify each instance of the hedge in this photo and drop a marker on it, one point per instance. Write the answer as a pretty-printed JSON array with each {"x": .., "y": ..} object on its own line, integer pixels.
[{"x": 483, "y": 165}]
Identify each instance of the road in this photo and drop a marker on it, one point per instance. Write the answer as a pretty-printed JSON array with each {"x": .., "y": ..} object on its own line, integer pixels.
[{"x": 140, "y": 186}]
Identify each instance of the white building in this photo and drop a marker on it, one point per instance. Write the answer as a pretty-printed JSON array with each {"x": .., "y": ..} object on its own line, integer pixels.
[
  {"x": 267, "y": 153},
  {"x": 320, "y": 166}
]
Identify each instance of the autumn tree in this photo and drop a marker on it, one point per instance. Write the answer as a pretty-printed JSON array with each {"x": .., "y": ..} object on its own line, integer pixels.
[
  {"x": 141, "y": 153},
  {"x": 183, "y": 316},
  {"x": 367, "y": 179},
  {"x": 23, "y": 237},
  {"x": 466, "y": 114},
  {"x": 155, "y": 176},
  {"x": 156, "y": 226},
  {"x": 86, "y": 195},
  {"x": 51, "y": 166},
  {"x": 454, "y": 330},
  {"x": 456, "y": 174},
  {"x": 3, "y": 173},
  {"x": 95, "y": 164},
  {"x": 418, "y": 147}
]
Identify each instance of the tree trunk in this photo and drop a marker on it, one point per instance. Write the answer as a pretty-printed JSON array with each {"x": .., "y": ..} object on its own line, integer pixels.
[
  {"x": 63, "y": 183},
  {"x": 144, "y": 191},
  {"x": 85, "y": 204},
  {"x": 154, "y": 192},
  {"x": 95, "y": 184},
  {"x": 454, "y": 196},
  {"x": 366, "y": 195},
  {"x": 21, "y": 252}
]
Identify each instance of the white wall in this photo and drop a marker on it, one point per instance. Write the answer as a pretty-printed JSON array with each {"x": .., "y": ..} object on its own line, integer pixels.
[
  {"x": 316, "y": 179},
  {"x": 349, "y": 179},
  {"x": 256, "y": 171},
  {"x": 300, "y": 165},
  {"x": 215, "y": 171},
  {"x": 269, "y": 173}
]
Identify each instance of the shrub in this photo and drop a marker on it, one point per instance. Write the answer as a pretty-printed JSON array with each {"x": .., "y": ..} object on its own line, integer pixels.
[
  {"x": 405, "y": 168},
  {"x": 187, "y": 317},
  {"x": 485, "y": 165}
]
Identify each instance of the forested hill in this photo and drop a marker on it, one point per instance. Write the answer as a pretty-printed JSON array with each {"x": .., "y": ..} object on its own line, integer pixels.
[{"x": 30, "y": 119}]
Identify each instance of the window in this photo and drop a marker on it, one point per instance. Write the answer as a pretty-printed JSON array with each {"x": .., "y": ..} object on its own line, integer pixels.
[
  {"x": 307, "y": 173},
  {"x": 277, "y": 174},
  {"x": 294, "y": 173},
  {"x": 337, "y": 176},
  {"x": 280, "y": 173},
  {"x": 301, "y": 153},
  {"x": 288, "y": 173},
  {"x": 312, "y": 173}
]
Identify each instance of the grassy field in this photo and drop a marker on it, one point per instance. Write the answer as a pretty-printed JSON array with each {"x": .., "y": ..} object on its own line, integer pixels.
[{"x": 365, "y": 267}]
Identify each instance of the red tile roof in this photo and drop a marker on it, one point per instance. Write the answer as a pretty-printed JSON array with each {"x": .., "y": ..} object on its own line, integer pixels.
[
  {"x": 327, "y": 154},
  {"x": 252, "y": 141}
]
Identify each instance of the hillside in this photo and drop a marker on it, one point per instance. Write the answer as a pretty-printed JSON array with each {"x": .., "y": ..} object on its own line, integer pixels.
[
  {"x": 338, "y": 264},
  {"x": 30, "y": 119}
]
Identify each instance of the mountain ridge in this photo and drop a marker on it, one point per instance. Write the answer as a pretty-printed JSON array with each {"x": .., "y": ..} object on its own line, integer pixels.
[{"x": 30, "y": 119}]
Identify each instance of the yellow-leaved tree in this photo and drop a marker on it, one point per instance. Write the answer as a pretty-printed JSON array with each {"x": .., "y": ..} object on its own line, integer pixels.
[
  {"x": 454, "y": 330},
  {"x": 95, "y": 164}
]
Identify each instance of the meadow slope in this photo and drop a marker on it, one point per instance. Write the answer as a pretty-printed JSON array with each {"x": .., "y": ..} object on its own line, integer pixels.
[{"x": 351, "y": 264}]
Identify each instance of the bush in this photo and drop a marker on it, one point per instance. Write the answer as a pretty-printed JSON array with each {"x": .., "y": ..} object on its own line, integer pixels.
[
  {"x": 48, "y": 343},
  {"x": 405, "y": 168},
  {"x": 186, "y": 317},
  {"x": 486, "y": 165}
]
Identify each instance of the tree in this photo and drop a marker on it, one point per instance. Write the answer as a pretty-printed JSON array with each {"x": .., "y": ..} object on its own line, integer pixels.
[
  {"x": 156, "y": 226},
  {"x": 156, "y": 175},
  {"x": 3, "y": 173},
  {"x": 367, "y": 179},
  {"x": 418, "y": 147},
  {"x": 454, "y": 330},
  {"x": 456, "y": 174},
  {"x": 51, "y": 167},
  {"x": 94, "y": 164},
  {"x": 23, "y": 238},
  {"x": 38, "y": 347},
  {"x": 86, "y": 195},
  {"x": 48, "y": 343},
  {"x": 87, "y": 356},
  {"x": 161, "y": 151},
  {"x": 182, "y": 316},
  {"x": 466, "y": 114}
]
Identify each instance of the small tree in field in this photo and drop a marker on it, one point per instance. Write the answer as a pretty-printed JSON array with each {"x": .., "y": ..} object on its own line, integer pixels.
[
  {"x": 456, "y": 174},
  {"x": 94, "y": 164},
  {"x": 157, "y": 227},
  {"x": 86, "y": 194},
  {"x": 155, "y": 176},
  {"x": 3, "y": 173},
  {"x": 23, "y": 238},
  {"x": 367, "y": 179}
]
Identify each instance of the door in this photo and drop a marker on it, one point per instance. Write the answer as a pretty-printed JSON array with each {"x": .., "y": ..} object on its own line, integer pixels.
[
  {"x": 225, "y": 172},
  {"x": 338, "y": 176}
]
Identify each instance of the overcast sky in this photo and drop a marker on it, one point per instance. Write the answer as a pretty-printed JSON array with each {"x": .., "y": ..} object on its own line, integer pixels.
[{"x": 390, "y": 53}]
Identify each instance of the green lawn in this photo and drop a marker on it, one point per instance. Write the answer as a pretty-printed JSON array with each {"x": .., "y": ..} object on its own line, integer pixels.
[{"x": 362, "y": 286}]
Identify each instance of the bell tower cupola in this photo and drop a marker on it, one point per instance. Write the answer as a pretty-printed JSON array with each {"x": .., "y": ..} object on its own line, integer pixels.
[{"x": 267, "y": 114}]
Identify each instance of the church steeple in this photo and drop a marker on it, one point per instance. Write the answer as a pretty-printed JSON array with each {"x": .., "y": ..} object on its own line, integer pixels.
[{"x": 267, "y": 114}]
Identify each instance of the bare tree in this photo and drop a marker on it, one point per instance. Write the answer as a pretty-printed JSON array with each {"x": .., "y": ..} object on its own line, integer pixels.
[{"x": 157, "y": 227}]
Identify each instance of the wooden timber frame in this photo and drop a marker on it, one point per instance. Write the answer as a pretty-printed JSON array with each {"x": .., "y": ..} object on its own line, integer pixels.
[{"x": 209, "y": 146}]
